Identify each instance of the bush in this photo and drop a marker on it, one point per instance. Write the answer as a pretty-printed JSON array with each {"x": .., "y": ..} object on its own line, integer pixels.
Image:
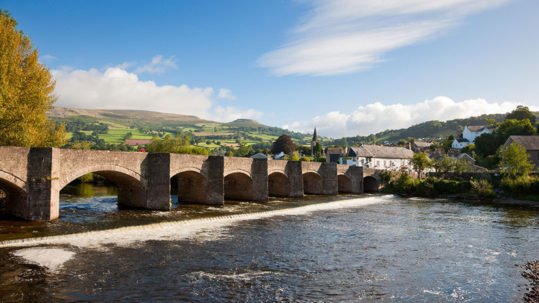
[
  {"x": 483, "y": 188},
  {"x": 520, "y": 187},
  {"x": 406, "y": 185}
]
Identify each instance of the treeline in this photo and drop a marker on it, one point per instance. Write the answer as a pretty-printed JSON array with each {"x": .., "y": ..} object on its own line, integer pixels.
[{"x": 430, "y": 130}]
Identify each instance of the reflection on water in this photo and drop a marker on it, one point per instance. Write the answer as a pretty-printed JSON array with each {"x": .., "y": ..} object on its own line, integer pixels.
[
  {"x": 86, "y": 190},
  {"x": 391, "y": 250}
]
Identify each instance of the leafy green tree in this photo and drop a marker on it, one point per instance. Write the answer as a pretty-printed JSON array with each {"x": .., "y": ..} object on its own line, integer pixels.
[
  {"x": 487, "y": 144},
  {"x": 305, "y": 158},
  {"x": 317, "y": 151},
  {"x": 283, "y": 144},
  {"x": 513, "y": 127},
  {"x": 444, "y": 165},
  {"x": 515, "y": 161},
  {"x": 420, "y": 162},
  {"x": 521, "y": 113},
  {"x": 26, "y": 91},
  {"x": 294, "y": 157},
  {"x": 244, "y": 150},
  {"x": 447, "y": 143}
]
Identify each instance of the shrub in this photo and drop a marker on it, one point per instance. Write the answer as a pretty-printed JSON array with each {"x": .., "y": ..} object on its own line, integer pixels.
[
  {"x": 482, "y": 188},
  {"x": 521, "y": 186}
]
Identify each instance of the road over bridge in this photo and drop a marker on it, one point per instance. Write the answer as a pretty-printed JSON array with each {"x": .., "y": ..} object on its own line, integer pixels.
[{"x": 32, "y": 178}]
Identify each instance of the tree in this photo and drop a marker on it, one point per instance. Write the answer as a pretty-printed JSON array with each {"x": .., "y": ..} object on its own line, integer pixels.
[
  {"x": 26, "y": 91},
  {"x": 521, "y": 113},
  {"x": 512, "y": 127},
  {"x": 283, "y": 144},
  {"x": 420, "y": 162},
  {"x": 487, "y": 144},
  {"x": 444, "y": 165},
  {"x": 515, "y": 161},
  {"x": 317, "y": 151},
  {"x": 294, "y": 157}
]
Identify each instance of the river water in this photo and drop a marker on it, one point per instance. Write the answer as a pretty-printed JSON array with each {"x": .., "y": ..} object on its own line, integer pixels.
[{"x": 318, "y": 249}]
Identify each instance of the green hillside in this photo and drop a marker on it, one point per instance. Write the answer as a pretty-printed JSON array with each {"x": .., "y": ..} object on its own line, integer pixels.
[
  {"x": 429, "y": 131},
  {"x": 115, "y": 126}
]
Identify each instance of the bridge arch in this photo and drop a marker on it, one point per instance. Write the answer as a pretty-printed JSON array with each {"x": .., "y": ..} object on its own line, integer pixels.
[
  {"x": 278, "y": 184},
  {"x": 131, "y": 187},
  {"x": 190, "y": 186},
  {"x": 344, "y": 184},
  {"x": 371, "y": 184},
  {"x": 239, "y": 186},
  {"x": 312, "y": 183}
]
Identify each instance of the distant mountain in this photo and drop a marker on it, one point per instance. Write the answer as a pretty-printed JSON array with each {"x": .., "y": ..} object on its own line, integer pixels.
[
  {"x": 136, "y": 116},
  {"x": 430, "y": 130}
]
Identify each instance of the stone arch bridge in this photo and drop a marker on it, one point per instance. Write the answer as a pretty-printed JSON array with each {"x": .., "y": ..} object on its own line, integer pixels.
[{"x": 32, "y": 178}]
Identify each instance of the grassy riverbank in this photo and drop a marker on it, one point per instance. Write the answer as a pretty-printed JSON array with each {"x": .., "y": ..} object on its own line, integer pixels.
[{"x": 524, "y": 188}]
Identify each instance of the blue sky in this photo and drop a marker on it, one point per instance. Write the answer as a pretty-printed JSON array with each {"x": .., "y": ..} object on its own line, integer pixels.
[{"x": 347, "y": 66}]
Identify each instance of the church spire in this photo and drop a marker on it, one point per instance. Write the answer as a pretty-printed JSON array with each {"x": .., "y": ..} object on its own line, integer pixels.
[{"x": 315, "y": 136}]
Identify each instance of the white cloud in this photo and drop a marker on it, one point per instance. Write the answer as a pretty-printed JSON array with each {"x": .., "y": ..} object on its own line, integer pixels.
[
  {"x": 116, "y": 88},
  {"x": 158, "y": 65},
  {"x": 345, "y": 36},
  {"x": 226, "y": 94},
  {"x": 376, "y": 117},
  {"x": 48, "y": 57}
]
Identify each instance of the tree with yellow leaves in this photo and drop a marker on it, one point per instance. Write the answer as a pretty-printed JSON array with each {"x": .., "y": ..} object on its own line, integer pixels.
[{"x": 26, "y": 91}]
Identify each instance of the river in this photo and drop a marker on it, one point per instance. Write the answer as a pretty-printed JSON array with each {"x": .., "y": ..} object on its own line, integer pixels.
[{"x": 317, "y": 249}]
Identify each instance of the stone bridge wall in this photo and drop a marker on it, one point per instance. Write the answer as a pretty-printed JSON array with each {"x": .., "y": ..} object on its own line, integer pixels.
[{"x": 33, "y": 178}]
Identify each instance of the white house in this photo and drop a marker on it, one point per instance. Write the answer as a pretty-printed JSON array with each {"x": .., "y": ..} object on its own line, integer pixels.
[
  {"x": 469, "y": 134},
  {"x": 375, "y": 156}
]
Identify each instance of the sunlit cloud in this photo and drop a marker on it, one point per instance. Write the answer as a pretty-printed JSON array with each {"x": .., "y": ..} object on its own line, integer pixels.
[
  {"x": 377, "y": 117},
  {"x": 117, "y": 88}
]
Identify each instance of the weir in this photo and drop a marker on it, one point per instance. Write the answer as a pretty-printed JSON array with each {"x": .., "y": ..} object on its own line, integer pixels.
[{"x": 32, "y": 178}]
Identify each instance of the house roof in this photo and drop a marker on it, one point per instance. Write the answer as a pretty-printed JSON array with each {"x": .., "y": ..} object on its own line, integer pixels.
[
  {"x": 378, "y": 151},
  {"x": 137, "y": 141},
  {"x": 478, "y": 128},
  {"x": 335, "y": 150},
  {"x": 422, "y": 143},
  {"x": 460, "y": 140},
  {"x": 465, "y": 156},
  {"x": 529, "y": 142},
  {"x": 259, "y": 156}
]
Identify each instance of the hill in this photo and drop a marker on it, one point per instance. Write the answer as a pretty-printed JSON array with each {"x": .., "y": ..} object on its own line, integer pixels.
[
  {"x": 115, "y": 126},
  {"x": 430, "y": 130}
]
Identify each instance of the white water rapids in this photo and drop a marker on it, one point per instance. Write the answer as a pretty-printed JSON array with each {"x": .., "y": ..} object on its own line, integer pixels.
[{"x": 202, "y": 229}]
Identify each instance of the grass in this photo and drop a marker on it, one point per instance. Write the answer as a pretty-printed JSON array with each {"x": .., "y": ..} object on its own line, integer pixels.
[{"x": 115, "y": 135}]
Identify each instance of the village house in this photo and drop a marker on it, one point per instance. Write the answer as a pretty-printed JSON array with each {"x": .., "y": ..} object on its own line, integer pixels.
[
  {"x": 469, "y": 134},
  {"x": 420, "y": 146},
  {"x": 530, "y": 143},
  {"x": 381, "y": 157},
  {"x": 333, "y": 154}
]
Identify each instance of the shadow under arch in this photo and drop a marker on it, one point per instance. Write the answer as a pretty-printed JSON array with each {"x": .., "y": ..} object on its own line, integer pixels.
[
  {"x": 190, "y": 186},
  {"x": 312, "y": 183},
  {"x": 13, "y": 197},
  {"x": 131, "y": 190},
  {"x": 278, "y": 185},
  {"x": 238, "y": 186},
  {"x": 371, "y": 185},
  {"x": 344, "y": 184}
]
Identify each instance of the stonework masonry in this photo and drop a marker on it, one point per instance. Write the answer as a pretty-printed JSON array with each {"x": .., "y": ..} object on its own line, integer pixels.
[{"x": 32, "y": 178}]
